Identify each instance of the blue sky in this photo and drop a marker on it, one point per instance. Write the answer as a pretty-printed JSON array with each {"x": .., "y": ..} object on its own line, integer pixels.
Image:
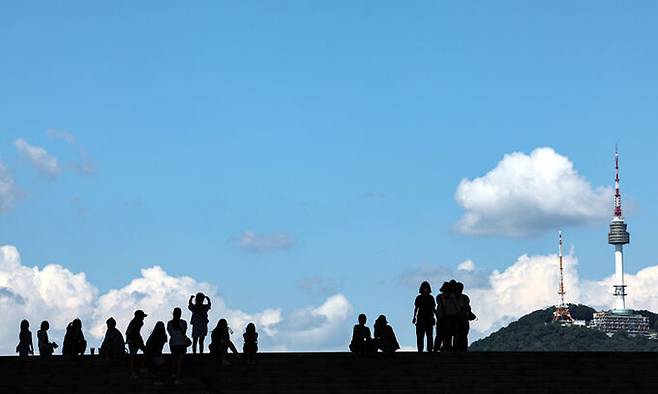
[{"x": 341, "y": 128}]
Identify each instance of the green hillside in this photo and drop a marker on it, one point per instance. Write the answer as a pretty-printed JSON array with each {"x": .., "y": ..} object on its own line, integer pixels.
[{"x": 537, "y": 332}]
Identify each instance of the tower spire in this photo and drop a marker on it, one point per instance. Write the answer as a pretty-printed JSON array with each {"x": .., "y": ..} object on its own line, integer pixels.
[
  {"x": 562, "y": 313},
  {"x": 617, "y": 212},
  {"x": 561, "y": 291}
]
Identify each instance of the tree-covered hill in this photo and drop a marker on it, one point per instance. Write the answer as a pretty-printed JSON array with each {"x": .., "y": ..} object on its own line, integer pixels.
[{"x": 537, "y": 332}]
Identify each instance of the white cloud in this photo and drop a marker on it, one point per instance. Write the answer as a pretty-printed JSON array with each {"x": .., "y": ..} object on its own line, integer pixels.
[
  {"x": 52, "y": 293},
  {"x": 253, "y": 242},
  {"x": 61, "y": 135},
  {"x": 56, "y": 294},
  {"x": 39, "y": 157},
  {"x": 8, "y": 190},
  {"x": 466, "y": 265},
  {"x": 525, "y": 194}
]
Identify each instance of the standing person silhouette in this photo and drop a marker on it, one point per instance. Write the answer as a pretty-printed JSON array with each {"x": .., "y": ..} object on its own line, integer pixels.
[
  {"x": 451, "y": 311},
  {"x": 384, "y": 336},
  {"x": 46, "y": 348},
  {"x": 465, "y": 315},
  {"x": 440, "y": 321},
  {"x": 250, "y": 347},
  {"x": 134, "y": 338},
  {"x": 199, "y": 320},
  {"x": 24, "y": 347},
  {"x": 178, "y": 342},
  {"x": 424, "y": 312},
  {"x": 74, "y": 340}
]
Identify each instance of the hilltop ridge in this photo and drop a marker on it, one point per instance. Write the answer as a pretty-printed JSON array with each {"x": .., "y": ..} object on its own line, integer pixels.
[{"x": 536, "y": 332}]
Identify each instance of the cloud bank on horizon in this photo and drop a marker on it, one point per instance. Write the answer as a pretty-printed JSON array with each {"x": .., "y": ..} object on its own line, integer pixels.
[
  {"x": 525, "y": 194},
  {"x": 58, "y": 295}
]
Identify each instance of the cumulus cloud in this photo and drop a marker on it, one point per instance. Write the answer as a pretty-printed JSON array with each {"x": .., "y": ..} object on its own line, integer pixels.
[
  {"x": 38, "y": 157},
  {"x": 53, "y": 293},
  {"x": 525, "y": 194},
  {"x": 466, "y": 265},
  {"x": 56, "y": 294},
  {"x": 531, "y": 282},
  {"x": 253, "y": 242},
  {"x": 8, "y": 190}
]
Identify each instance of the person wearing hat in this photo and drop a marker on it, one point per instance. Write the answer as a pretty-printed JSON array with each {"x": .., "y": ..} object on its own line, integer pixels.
[{"x": 134, "y": 337}]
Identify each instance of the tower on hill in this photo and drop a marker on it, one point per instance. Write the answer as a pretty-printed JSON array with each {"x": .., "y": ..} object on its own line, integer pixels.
[
  {"x": 619, "y": 318},
  {"x": 562, "y": 313},
  {"x": 618, "y": 236}
]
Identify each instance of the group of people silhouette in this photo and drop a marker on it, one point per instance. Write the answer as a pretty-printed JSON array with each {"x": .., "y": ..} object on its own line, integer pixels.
[
  {"x": 114, "y": 345},
  {"x": 450, "y": 313}
]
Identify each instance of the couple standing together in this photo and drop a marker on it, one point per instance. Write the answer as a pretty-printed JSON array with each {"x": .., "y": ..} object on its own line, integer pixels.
[{"x": 451, "y": 313}]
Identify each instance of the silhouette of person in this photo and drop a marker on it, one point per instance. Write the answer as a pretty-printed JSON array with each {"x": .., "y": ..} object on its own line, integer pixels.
[
  {"x": 46, "y": 348},
  {"x": 361, "y": 342},
  {"x": 153, "y": 351},
  {"x": 384, "y": 336},
  {"x": 24, "y": 347},
  {"x": 453, "y": 309},
  {"x": 440, "y": 321},
  {"x": 199, "y": 320},
  {"x": 424, "y": 312},
  {"x": 113, "y": 345},
  {"x": 250, "y": 347},
  {"x": 134, "y": 337},
  {"x": 178, "y": 342},
  {"x": 465, "y": 315},
  {"x": 220, "y": 340},
  {"x": 74, "y": 340}
]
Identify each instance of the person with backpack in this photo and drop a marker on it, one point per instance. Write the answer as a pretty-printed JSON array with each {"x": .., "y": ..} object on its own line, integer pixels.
[
  {"x": 178, "y": 342},
  {"x": 424, "y": 312}
]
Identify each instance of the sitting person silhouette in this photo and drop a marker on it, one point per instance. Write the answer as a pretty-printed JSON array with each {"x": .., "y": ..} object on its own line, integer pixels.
[
  {"x": 113, "y": 345},
  {"x": 24, "y": 347},
  {"x": 250, "y": 347},
  {"x": 46, "y": 348},
  {"x": 384, "y": 336},
  {"x": 74, "y": 340},
  {"x": 153, "y": 351},
  {"x": 134, "y": 337},
  {"x": 220, "y": 340},
  {"x": 199, "y": 320},
  {"x": 424, "y": 313},
  {"x": 178, "y": 342},
  {"x": 362, "y": 342}
]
